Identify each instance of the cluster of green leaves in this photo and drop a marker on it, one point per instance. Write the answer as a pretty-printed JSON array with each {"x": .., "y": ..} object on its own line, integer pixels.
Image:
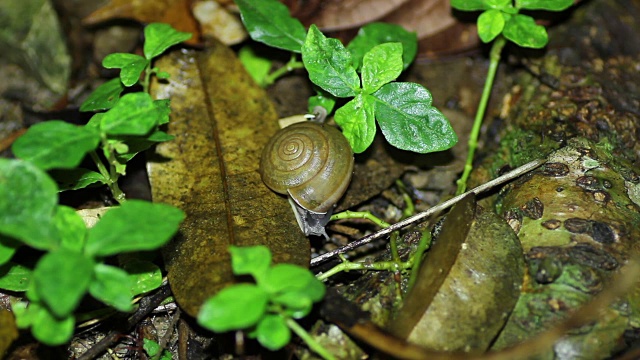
[
  {"x": 265, "y": 309},
  {"x": 503, "y": 17},
  {"x": 74, "y": 260},
  {"x": 364, "y": 72},
  {"x": 129, "y": 125}
]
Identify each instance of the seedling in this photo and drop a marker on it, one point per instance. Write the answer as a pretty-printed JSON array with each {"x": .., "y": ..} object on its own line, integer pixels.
[
  {"x": 500, "y": 21},
  {"x": 74, "y": 263},
  {"x": 266, "y": 310},
  {"x": 364, "y": 72},
  {"x": 130, "y": 124}
]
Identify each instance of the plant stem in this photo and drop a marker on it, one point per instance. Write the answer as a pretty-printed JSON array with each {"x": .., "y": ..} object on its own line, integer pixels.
[
  {"x": 291, "y": 65},
  {"x": 494, "y": 58},
  {"x": 147, "y": 77},
  {"x": 423, "y": 245},
  {"x": 378, "y": 265},
  {"x": 347, "y": 214},
  {"x": 304, "y": 335}
]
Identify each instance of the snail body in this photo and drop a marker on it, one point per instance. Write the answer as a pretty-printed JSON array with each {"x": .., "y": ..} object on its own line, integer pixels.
[{"x": 310, "y": 162}]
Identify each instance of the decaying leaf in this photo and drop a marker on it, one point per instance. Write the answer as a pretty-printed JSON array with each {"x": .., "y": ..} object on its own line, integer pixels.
[
  {"x": 221, "y": 120},
  {"x": 439, "y": 31},
  {"x": 8, "y": 330},
  {"x": 468, "y": 284},
  {"x": 176, "y": 13}
]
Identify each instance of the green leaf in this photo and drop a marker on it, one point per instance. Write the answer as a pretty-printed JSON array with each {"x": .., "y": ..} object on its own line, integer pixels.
[
  {"x": 376, "y": 33},
  {"x": 8, "y": 247},
  {"x": 356, "y": 118},
  {"x": 273, "y": 332},
  {"x": 329, "y": 64},
  {"x": 48, "y": 328},
  {"x": 104, "y": 96},
  {"x": 15, "y": 277},
  {"x": 233, "y": 308},
  {"x": 71, "y": 228},
  {"x": 269, "y": 22},
  {"x": 497, "y": 4},
  {"x": 409, "y": 122},
  {"x": 158, "y": 37},
  {"x": 490, "y": 25},
  {"x": 256, "y": 65},
  {"x": 550, "y": 5},
  {"x": 315, "y": 289},
  {"x": 468, "y": 5},
  {"x": 295, "y": 300},
  {"x": 111, "y": 285},
  {"x": 163, "y": 106},
  {"x": 523, "y": 30},
  {"x": 78, "y": 178},
  {"x": 322, "y": 98},
  {"x": 131, "y": 66},
  {"x": 134, "y": 225},
  {"x": 381, "y": 65},
  {"x": 29, "y": 198},
  {"x": 56, "y": 144},
  {"x": 134, "y": 114},
  {"x": 285, "y": 277},
  {"x": 61, "y": 279},
  {"x": 250, "y": 260},
  {"x": 144, "y": 275},
  {"x": 153, "y": 348}
]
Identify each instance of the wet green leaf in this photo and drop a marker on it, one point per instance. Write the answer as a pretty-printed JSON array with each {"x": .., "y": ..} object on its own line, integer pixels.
[
  {"x": 112, "y": 286},
  {"x": 409, "y": 122},
  {"x": 269, "y": 22},
  {"x": 134, "y": 114},
  {"x": 134, "y": 225},
  {"x": 329, "y": 64},
  {"x": 131, "y": 66},
  {"x": 233, "y": 308},
  {"x": 104, "y": 96},
  {"x": 523, "y": 30},
  {"x": 356, "y": 118},
  {"x": 29, "y": 197},
  {"x": 551, "y": 5},
  {"x": 380, "y": 65},
  {"x": 78, "y": 178},
  {"x": 490, "y": 25},
  {"x": 273, "y": 332},
  {"x": 145, "y": 276},
  {"x": 158, "y": 37},
  {"x": 374, "y": 34},
  {"x": 15, "y": 277},
  {"x": 61, "y": 278},
  {"x": 56, "y": 144}
]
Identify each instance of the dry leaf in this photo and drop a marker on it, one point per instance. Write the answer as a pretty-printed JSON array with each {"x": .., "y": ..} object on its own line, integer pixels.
[
  {"x": 176, "y": 13},
  {"x": 221, "y": 120}
]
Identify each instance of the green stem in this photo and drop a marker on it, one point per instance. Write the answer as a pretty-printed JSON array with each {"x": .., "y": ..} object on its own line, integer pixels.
[
  {"x": 378, "y": 265},
  {"x": 494, "y": 57},
  {"x": 112, "y": 175},
  {"x": 304, "y": 335},
  {"x": 288, "y": 67},
  {"x": 423, "y": 245},
  {"x": 147, "y": 77},
  {"x": 347, "y": 214},
  {"x": 409, "y": 207}
]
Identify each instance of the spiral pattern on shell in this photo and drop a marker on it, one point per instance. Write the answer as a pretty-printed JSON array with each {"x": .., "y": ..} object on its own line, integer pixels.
[{"x": 310, "y": 162}]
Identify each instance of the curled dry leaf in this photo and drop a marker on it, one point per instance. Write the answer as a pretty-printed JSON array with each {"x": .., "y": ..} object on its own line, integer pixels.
[
  {"x": 221, "y": 120},
  {"x": 468, "y": 285}
]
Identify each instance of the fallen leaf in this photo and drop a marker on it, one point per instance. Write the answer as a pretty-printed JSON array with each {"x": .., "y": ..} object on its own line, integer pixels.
[
  {"x": 176, "y": 13},
  {"x": 221, "y": 120}
]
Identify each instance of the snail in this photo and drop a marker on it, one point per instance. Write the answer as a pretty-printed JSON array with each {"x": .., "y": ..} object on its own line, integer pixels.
[{"x": 312, "y": 163}]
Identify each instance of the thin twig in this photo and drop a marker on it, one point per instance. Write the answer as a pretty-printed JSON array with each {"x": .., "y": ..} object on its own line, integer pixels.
[
  {"x": 147, "y": 305},
  {"x": 423, "y": 215}
]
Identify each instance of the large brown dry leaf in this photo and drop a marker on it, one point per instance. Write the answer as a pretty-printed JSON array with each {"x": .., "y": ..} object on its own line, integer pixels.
[
  {"x": 176, "y": 13},
  {"x": 221, "y": 120},
  {"x": 8, "y": 330}
]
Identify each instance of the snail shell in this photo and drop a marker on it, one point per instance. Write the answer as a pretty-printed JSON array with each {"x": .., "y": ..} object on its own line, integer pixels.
[{"x": 310, "y": 162}]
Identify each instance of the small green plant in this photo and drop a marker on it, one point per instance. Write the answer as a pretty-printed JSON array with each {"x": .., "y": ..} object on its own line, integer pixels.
[
  {"x": 152, "y": 348},
  {"x": 74, "y": 262},
  {"x": 267, "y": 308},
  {"x": 500, "y": 21},
  {"x": 130, "y": 124},
  {"x": 364, "y": 72}
]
